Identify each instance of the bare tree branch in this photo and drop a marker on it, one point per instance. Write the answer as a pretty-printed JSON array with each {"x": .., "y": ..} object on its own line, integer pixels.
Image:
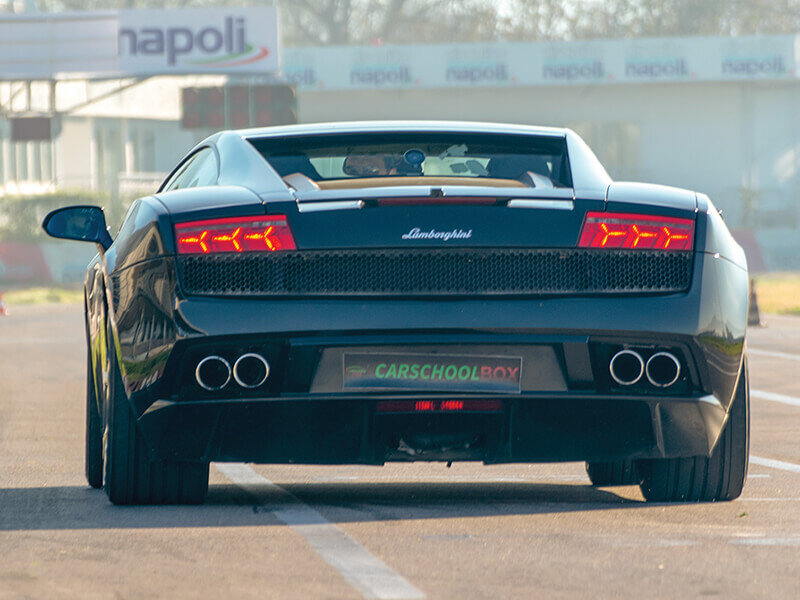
[{"x": 316, "y": 22}]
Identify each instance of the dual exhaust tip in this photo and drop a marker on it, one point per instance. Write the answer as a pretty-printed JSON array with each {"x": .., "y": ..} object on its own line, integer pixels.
[
  {"x": 250, "y": 371},
  {"x": 627, "y": 367}
]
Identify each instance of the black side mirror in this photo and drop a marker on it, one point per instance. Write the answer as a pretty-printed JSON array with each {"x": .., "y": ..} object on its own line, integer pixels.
[{"x": 82, "y": 223}]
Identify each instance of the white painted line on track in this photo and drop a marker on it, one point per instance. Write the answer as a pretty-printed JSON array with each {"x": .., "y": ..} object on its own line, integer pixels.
[
  {"x": 774, "y": 464},
  {"x": 768, "y": 499},
  {"x": 773, "y": 353},
  {"x": 37, "y": 341},
  {"x": 773, "y": 541},
  {"x": 773, "y": 397},
  {"x": 359, "y": 568}
]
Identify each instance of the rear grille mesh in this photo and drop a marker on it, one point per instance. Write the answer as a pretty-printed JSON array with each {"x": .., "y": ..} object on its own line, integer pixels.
[{"x": 435, "y": 272}]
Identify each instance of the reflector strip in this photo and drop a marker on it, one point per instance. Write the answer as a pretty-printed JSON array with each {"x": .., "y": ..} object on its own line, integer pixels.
[
  {"x": 419, "y": 406},
  {"x": 480, "y": 200},
  {"x": 636, "y": 232},
  {"x": 236, "y": 234}
]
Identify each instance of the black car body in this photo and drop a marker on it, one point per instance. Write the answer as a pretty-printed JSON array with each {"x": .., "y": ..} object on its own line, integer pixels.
[{"x": 500, "y": 312}]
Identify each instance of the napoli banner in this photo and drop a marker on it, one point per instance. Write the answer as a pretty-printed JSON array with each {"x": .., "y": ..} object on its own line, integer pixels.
[{"x": 204, "y": 40}]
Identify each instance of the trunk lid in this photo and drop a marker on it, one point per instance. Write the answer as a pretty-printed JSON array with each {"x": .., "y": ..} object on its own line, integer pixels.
[{"x": 447, "y": 216}]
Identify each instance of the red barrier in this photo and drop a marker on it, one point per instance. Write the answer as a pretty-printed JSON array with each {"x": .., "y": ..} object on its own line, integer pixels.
[{"x": 23, "y": 262}]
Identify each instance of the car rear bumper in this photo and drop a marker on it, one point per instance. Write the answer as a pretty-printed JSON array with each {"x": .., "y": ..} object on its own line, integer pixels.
[{"x": 341, "y": 429}]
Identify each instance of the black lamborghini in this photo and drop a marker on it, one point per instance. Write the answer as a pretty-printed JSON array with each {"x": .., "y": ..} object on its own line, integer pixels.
[{"x": 412, "y": 291}]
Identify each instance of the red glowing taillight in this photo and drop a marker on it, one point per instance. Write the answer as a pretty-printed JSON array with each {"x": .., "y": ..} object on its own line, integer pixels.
[
  {"x": 235, "y": 234},
  {"x": 636, "y": 232},
  {"x": 423, "y": 406}
]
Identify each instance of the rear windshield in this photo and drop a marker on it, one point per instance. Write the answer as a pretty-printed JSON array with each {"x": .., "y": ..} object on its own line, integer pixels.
[{"x": 358, "y": 156}]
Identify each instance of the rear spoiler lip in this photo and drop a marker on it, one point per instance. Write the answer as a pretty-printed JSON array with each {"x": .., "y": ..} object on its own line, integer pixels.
[{"x": 455, "y": 191}]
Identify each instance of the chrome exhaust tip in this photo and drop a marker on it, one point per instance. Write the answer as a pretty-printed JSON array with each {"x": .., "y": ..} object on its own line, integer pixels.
[
  {"x": 626, "y": 367},
  {"x": 663, "y": 369},
  {"x": 213, "y": 373},
  {"x": 250, "y": 370}
]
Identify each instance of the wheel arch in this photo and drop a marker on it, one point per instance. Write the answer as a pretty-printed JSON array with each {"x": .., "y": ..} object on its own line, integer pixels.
[{"x": 96, "y": 317}]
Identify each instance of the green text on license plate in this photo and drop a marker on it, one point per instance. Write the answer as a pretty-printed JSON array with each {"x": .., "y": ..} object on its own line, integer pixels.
[{"x": 437, "y": 372}]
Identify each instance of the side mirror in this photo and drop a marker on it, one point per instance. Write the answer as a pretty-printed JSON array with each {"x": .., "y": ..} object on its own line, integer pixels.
[{"x": 82, "y": 223}]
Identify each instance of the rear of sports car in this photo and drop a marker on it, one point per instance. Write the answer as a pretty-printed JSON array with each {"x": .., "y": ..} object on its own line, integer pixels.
[{"x": 447, "y": 296}]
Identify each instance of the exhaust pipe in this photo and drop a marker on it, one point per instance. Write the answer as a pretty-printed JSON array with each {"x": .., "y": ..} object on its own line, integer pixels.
[
  {"x": 250, "y": 370},
  {"x": 663, "y": 369},
  {"x": 626, "y": 367},
  {"x": 213, "y": 373}
]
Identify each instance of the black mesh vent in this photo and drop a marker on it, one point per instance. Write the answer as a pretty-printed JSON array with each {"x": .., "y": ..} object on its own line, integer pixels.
[{"x": 435, "y": 272}]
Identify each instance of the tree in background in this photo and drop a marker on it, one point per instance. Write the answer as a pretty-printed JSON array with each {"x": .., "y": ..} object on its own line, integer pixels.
[
  {"x": 648, "y": 18},
  {"x": 311, "y": 22},
  {"x": 341, "y": 22},
  {"x": 536, "y": 20}
]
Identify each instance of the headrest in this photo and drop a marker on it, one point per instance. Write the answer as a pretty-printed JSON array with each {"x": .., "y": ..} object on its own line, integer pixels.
[
  {"x": 514, "y": 166},
  {"x": 287, "y": 164}
]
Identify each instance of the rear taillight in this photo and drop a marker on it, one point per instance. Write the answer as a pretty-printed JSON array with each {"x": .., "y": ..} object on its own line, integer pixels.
[
  {"x": 424, "y": 406},
  {"x": 236, "y": 234},
  {"x": 636, "y": 232}
]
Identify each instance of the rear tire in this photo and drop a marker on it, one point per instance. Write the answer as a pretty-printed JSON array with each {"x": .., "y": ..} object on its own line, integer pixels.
[
  {"x": 132, "y": 476},
  {"x": 618, "y": 472},
  {"x": 93, "y": 456},
  {"x": 720, "y": 477}
]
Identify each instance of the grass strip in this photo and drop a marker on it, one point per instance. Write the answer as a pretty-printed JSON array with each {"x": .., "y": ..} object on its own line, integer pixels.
[
  {"x": 42, "y": 295},
  {"x": 778, "y": 293}
]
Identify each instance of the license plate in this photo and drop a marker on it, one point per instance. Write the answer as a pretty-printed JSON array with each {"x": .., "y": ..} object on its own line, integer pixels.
[{"x": 433, "y": 372}]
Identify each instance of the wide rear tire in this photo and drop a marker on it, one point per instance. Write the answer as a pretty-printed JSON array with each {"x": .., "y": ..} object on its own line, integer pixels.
[
  {"x": 618, "y": 472},
  {"x": 132, "y": 476},
  {"x": 719, "y": 477}
]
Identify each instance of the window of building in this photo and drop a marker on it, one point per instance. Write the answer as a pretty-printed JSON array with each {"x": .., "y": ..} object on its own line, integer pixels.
[
  {"x": 109, "y": 155},
  {"x": 143, "y": 140},
  {"x": 21, "y": 162},
  {"x": 2, "y": 157}
]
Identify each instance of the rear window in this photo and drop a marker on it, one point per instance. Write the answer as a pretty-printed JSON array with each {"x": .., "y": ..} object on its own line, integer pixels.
[{"x": 400, "y": 155}]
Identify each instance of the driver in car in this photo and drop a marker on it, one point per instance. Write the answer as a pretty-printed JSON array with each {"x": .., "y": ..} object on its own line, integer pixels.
[{"x": 371, "y": 165}]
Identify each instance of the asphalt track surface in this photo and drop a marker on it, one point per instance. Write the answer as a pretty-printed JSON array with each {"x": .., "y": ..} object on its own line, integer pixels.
[{"x": 400, "y": 531}]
